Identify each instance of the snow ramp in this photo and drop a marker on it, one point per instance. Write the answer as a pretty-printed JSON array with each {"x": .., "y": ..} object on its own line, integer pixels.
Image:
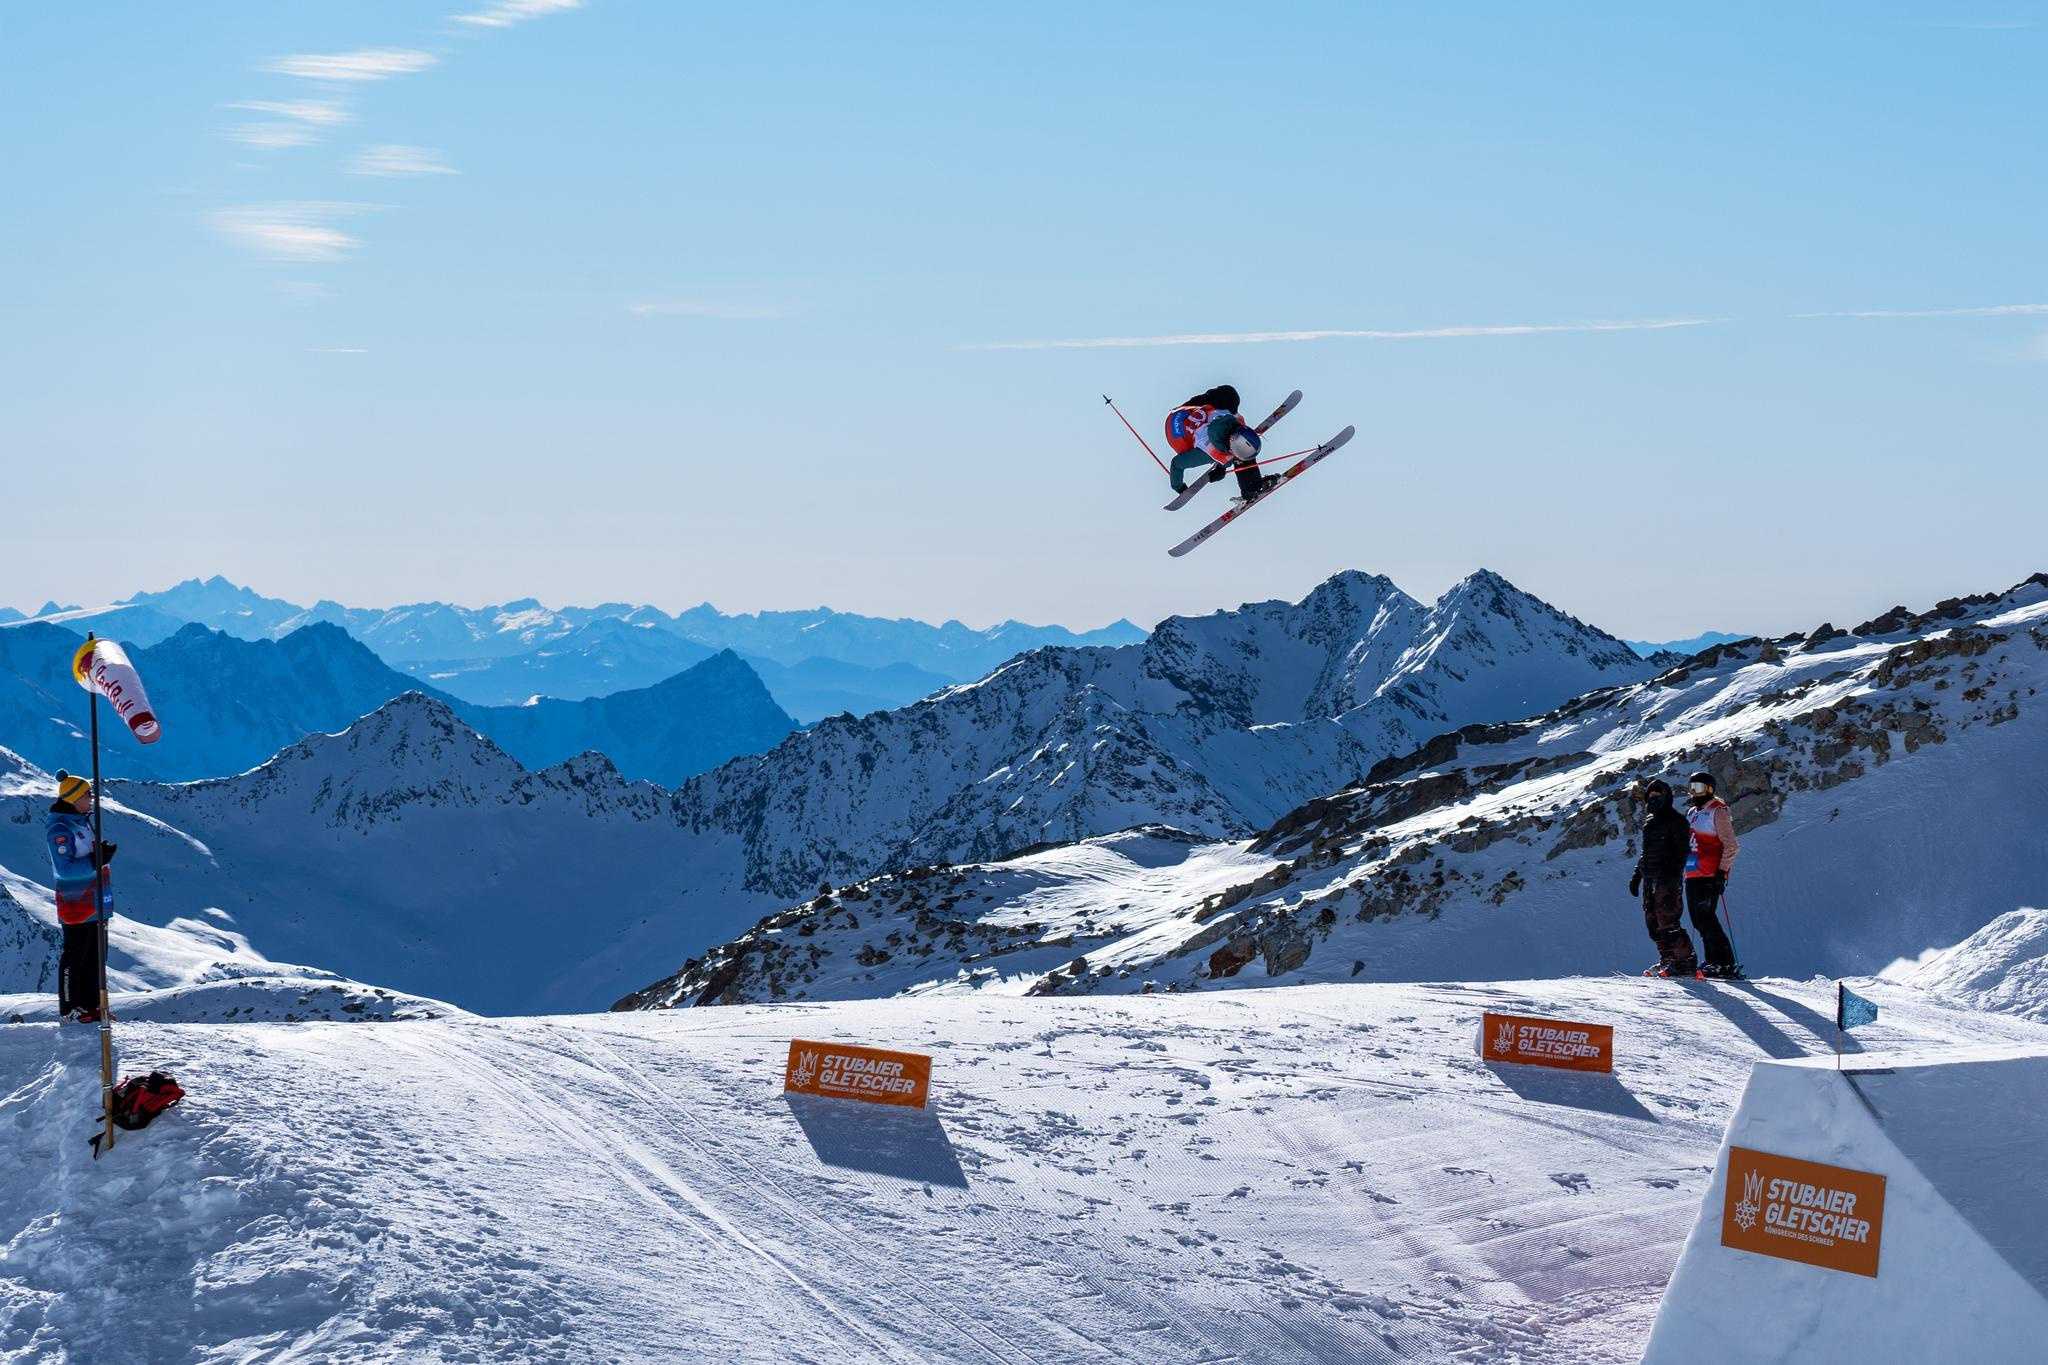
[{"x": 1879, "y": 1213}]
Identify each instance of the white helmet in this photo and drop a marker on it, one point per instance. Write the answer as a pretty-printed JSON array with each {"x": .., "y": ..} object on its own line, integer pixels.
[{"x": 1244, "y": 444}]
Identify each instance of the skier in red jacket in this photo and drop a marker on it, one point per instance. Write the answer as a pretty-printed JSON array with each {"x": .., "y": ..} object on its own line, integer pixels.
[
  {"x": 1714, "y": 847},
  {"x": 1209, "y": 437}
]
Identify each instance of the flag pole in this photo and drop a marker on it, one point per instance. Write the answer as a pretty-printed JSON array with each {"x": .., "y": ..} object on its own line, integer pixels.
[{"x": 99, "y": 899}]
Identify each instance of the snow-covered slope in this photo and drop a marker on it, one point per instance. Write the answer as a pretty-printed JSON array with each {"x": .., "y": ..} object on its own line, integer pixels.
[
  {"x": 1886, "y": 784},
  {"x": 1314, "y": 1174},
  {"x": 2003, "y": 966},
  {"x": 1215, "y": 725}
]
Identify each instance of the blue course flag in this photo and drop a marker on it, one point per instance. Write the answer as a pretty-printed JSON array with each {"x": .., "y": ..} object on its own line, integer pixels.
[{"x": 1852, "y": 1009}]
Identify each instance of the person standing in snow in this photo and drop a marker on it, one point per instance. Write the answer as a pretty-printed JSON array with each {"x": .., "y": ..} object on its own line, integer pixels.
[
  {"x": 1660, "y": 871},
  {"x": 1208, "y": 437},
  {"x": 1706, "y": 871},
  {"x": 78, "y": 865}
]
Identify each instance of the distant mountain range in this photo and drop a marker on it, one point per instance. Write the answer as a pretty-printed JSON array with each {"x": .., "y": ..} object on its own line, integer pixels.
[
  {"x": 1692, "y": 645},
  {"x": 817, "y": 663},
  {"x": 230, "y": 703}
]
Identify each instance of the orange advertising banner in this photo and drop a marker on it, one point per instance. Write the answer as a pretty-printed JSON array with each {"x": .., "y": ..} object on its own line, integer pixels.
[
  {"x": 1546, "y": 1042},
  {"x": 1827, "y": 1216},
  {"x": 843, "y": 1071}
]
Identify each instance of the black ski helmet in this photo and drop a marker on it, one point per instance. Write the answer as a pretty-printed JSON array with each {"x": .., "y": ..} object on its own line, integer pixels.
[{"x": 1703, "y": 777}]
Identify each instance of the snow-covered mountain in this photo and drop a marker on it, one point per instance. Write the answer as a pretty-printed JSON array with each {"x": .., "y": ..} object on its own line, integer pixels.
[
  {"x": 410, "y": 851},
  {"x": 230, "y": 703},
  {"x": 1886, "y": 783},
  {"x": 1216, "y": 725}
]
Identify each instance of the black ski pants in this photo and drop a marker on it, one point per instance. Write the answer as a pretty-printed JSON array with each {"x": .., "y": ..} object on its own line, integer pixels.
[
  {"x": 1664, "y": 914},
  {"x": 78, "y": 968},
  {"x": 1703, "y": 898}
]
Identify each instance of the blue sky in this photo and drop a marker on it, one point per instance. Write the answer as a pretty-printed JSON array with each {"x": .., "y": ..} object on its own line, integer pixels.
[{"x": 634, "y": 300}]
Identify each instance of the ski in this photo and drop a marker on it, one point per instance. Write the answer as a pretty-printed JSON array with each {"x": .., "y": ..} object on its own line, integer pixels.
[
  {"x": 1187, "y": 495},
  {"x": 1182, "y": 499},
  {"x": 1286, "y": 406},
  {"x": 1298, "y": 467}
]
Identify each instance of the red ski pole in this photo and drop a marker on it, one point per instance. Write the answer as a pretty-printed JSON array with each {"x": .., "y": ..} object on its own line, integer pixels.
[{"x": 1134, "y": 433}]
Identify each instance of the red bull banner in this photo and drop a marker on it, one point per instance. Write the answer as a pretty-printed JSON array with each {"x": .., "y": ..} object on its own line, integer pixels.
[
  {"x": 1829, "y": 1216},
  {"x": 102, "y": 666},
  {"x": 845, "y": 1072},
  {"x": 1546, "y": 1042}
]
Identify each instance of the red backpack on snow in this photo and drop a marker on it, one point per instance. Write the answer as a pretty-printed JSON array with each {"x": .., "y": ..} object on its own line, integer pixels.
[{"x": 139, "y": 1099}]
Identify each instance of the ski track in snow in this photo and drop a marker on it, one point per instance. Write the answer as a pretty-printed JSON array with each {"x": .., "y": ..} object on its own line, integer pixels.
[{"x": 1312, "y": 1173}]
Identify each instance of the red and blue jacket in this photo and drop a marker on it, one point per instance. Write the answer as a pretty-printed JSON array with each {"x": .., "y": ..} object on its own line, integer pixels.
[
  {"x": 1203, "y": 428},
  {"x": 1713, "y": 839},
  {"x": 73, "y": 865}
]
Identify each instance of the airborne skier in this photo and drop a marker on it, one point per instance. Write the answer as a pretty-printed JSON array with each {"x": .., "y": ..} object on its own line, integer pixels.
[{"x": 1207, "y": 435}]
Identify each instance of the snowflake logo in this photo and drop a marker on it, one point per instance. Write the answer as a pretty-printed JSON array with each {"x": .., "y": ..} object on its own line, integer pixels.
[
  {"x": 1504, "y": 1039},
  {"x": 1752, "y": 1200},
  {"x": 806, "y": 1070}
]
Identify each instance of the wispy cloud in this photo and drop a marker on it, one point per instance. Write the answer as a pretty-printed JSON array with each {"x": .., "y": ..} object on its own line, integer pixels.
[
  {"x": 396, "y": 161},
  {"x": 702, "y": 308},
  {"x": 506, "y": 13},
  {"x": 1361, "y": 334},
  {"x": 319, "y": 113},
  {"x": 369, "y": 64},
  {"x": 272, "y": 136},
  {"x": 301, "y": 230},
  {"x": 1996, "y": 310}
]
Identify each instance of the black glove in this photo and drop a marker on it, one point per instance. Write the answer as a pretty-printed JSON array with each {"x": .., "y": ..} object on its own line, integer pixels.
[
  {"x": 107, "y": 853},
  {"x": 1720, "y": 883},
  {"x": 1635, "y": 885},
  {"x": 1216, "y": 474}
]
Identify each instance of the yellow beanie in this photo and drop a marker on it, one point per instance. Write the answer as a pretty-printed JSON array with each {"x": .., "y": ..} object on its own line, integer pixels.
[{"x": 73, "y": 791}]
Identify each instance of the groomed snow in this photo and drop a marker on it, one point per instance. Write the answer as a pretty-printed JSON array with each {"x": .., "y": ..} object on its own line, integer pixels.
[{"x": 1315, "y": 1173}]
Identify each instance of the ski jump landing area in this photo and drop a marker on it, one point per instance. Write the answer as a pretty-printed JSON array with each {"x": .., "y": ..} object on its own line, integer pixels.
[
  {"x": 1880, "y": 1213},
  {"x": 1305, "y": 1175}
]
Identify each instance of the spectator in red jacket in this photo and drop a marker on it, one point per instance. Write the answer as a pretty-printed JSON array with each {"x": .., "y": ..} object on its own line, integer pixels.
[{"x": 1714, "y": 847}]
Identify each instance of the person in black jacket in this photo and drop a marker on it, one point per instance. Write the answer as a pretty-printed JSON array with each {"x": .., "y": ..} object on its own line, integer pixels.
[{"x": 1660, "y": 880}]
